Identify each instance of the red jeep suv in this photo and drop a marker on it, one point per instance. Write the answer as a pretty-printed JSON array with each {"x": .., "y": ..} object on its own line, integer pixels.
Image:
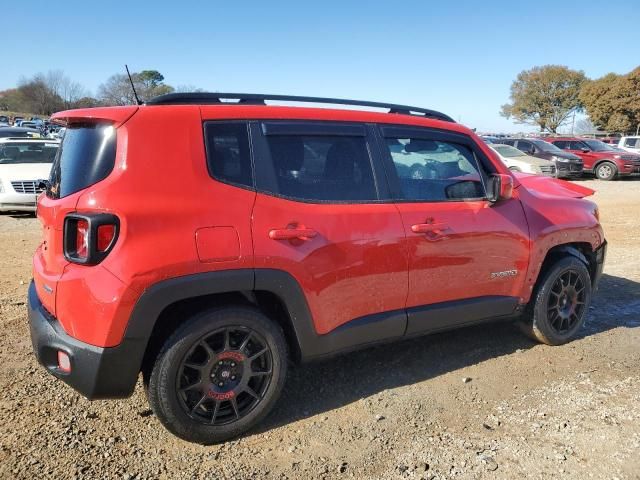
[
  {"x": 601, "y": 159},
  {"x": 253, "y": 235}
]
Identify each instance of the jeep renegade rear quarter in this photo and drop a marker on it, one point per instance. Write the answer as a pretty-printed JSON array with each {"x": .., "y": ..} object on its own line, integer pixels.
[{"x": 258, "y": 234}]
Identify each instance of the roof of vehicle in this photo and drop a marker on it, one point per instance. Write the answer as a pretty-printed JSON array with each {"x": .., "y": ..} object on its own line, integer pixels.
[
  {"x": 20, "y": 129},
  {"x": 253, "y": 106},
  {"x": 554, "y": 139},
  {"x": 28, "y": 140},
  {"x": 204, "y": 98}
]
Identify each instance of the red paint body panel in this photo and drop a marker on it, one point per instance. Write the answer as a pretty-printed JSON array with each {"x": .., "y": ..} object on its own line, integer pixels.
[
  {"x": 356, "y": 265},
  {"x": 475, "y": 240},
  {"x": 362, "y": 259}
]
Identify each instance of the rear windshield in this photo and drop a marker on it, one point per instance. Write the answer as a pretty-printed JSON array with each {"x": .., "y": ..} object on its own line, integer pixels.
[
  {"x": 86, "y": 156},
  {"x": 32, "y": 152}
]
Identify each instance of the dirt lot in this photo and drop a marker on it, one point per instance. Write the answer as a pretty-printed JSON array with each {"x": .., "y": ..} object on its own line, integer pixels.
[{"x": 398, "y": 411}]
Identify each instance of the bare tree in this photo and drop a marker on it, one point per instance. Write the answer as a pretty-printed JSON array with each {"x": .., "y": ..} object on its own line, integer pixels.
[{"x": 68, "y": 90}]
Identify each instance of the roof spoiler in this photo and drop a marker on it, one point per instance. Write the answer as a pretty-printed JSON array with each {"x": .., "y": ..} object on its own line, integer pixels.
[{"x": 115, "y": 115}]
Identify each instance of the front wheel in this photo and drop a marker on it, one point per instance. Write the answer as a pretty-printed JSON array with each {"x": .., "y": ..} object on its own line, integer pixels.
[
  {"x": 218, "y": 375},
  {"x": 560, "y": 302},
  {"x": 606, "y": 171}
]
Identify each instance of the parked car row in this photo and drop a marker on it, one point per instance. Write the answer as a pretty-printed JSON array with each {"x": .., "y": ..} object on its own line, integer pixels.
[
  {"x": 571, "y": 156},
  {"x": 45, "y": 128}
]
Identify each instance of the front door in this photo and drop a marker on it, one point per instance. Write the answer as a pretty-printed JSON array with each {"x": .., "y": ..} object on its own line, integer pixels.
[{"x": 467, "y": 257}]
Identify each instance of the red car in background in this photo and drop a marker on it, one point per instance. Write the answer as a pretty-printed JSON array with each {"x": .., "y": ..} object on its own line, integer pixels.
[{"x": 604, "y": 161}]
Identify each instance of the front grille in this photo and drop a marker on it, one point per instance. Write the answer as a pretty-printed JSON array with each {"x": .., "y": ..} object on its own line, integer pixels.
[
  {"x": 548, "y": 170},
  {"x": 575, "y": 167},
  {"x": 632, "y": 158},
  {"x": 26, "y": 186}
]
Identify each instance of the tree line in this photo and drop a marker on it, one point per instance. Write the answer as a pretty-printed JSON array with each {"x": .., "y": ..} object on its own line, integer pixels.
[
  {"x": 548, "y": 96},
  {"x": 44, "y": 94}
]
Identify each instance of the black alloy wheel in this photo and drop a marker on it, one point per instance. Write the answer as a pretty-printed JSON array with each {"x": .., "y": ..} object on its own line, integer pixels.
[{"x": 225, "y": 375}]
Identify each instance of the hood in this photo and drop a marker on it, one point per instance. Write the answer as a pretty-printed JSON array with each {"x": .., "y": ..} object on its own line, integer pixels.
[
  {"x": 25, "y": 171},
  {"x": 567, "y": 155},
  {"x": 552, "y": 186}
]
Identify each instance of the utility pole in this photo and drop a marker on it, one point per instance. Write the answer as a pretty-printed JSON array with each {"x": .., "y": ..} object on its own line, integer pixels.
[{"x": 573, "y": 123}]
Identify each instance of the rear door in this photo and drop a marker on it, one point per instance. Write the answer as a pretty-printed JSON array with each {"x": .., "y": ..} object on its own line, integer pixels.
[
  {"x": 319, "y": 217},
  {"x": 467, "y": 257}
]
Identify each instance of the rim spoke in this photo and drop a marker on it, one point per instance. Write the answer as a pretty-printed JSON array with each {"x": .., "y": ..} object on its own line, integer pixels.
[
  {"x": 216, "y": 409},
  {"x": 197, "y": 405},
  {"x": 194, "y": 366},
  {"x": 234, "y": 404},
  {"x": 260, "y": 374},
  {"x": 259, "y": 354},
  {"x": 245, "y": 342},
  {"x": 190, "y": 387},
  {"x": 210, "y": 353},
  {"x": 227, "y": 341},
  {"x": 250, "y": 391}
]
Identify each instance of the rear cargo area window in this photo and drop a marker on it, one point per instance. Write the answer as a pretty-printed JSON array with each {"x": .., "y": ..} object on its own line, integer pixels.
[
  {"x": 228, "y": 153},
  {"x": 86, "y": 156}
]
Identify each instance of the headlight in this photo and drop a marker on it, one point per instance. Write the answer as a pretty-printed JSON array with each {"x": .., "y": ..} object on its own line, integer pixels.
[
  {"x": 617, "y": 157},
  {"x": 559, "y": 159}
]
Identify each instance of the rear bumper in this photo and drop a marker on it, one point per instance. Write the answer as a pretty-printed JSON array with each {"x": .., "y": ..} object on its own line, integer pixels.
[{"x": 96, "y": 372}]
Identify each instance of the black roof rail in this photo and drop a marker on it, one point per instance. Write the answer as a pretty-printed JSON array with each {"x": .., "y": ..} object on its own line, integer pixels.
[{"x": 259, "y": 99}]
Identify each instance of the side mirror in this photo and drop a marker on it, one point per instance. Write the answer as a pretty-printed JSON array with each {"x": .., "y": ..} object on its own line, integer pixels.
[
  {"x": 500, "y": 187},
  {"x": 585, "y": 150}
]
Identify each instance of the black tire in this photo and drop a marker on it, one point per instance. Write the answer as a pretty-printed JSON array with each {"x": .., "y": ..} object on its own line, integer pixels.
[
  {"x": 211, "y": 349},
  {"x": 606, "y": 171},
  {"x": 550, "y": 319}
]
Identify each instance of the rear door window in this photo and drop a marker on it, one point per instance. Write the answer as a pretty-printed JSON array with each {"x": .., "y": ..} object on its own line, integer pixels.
[
  {"x": 86, "y": 156},
  {"x": 319, "y": 163}
]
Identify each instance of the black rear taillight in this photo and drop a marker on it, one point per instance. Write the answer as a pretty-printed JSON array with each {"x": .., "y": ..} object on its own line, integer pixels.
[{"x": 88, "y": 238}]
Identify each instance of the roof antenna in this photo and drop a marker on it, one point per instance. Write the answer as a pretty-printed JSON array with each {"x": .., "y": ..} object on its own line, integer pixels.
[{"x": 135, "y": 94}]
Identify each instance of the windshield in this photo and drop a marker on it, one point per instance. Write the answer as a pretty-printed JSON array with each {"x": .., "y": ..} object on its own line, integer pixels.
[
  {"x": 598, "y": 146},
  {"x": 546, "y": 146},
  {"x": 30, "y": 152},
  {"x": 508, "y": 151}
]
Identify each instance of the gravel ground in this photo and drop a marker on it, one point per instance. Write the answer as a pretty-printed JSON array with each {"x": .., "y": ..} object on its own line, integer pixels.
[{"x": 483, "y": 402}]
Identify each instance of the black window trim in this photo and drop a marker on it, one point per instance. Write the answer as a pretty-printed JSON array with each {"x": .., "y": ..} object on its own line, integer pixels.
[
  {"x": 266, "y": 182},
  {"x": 383, "y": 131},
  {"x": 251, "y": 187}
]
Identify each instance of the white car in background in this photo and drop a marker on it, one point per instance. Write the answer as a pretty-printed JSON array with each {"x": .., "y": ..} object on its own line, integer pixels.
[
  {"x": 630, "y": 144},
  {"x": 518, "y": 161},
  {"x": 24, "y": 162}
]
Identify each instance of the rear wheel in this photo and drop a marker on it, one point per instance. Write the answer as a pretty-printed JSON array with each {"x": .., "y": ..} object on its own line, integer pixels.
[
  {"x": 218, "y": 375},
  {"x": 560, "y": 302},
  {"x": 606, "y": 171}
]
